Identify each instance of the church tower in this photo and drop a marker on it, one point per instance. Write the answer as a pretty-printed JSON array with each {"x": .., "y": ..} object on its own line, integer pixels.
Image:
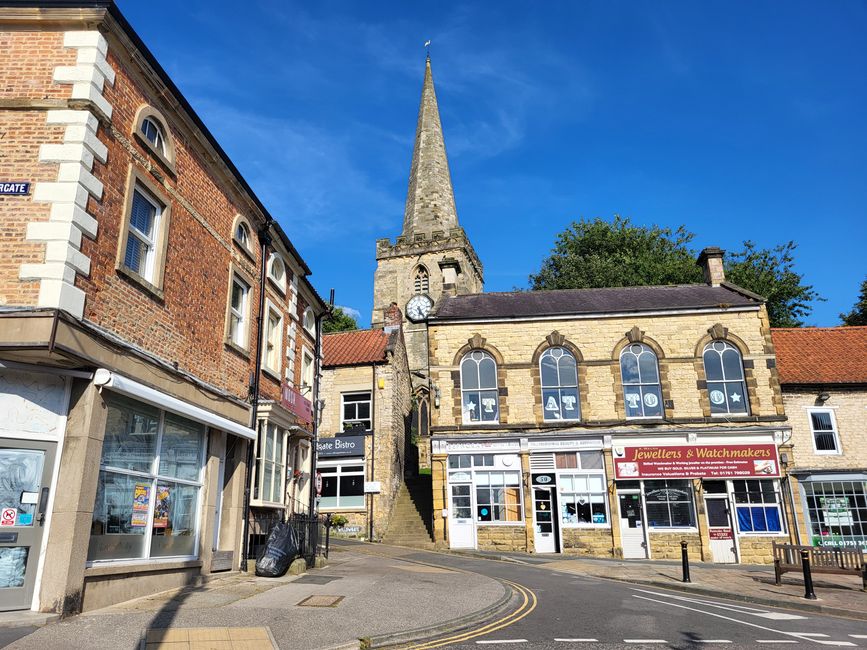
[{"x": 432, "y": 256}]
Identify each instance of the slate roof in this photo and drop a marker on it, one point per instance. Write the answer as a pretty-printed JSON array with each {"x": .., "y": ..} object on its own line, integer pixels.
[
  {"x": 354, "y": 348},
  {"x": 517, "y": 304},
  {"x": 821, "y": 355}
]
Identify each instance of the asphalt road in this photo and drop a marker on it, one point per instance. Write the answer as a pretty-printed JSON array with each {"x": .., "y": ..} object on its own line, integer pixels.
[{"x": 568, "y": 611}]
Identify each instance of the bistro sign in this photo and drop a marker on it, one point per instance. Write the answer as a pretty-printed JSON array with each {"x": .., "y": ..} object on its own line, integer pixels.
[
  {"x": 340, "y": 446},
  {"x": 697, "y": 461}
]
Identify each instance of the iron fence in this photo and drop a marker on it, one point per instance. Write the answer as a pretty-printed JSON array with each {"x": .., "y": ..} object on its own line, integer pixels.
[{"x": 312, "y": 533}]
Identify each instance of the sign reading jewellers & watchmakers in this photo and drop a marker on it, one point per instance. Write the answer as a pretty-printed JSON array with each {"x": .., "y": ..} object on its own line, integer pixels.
[
  {"x": 697, "y": 461},
  {"x": 14, "y": 188},
  {"x": 340, "y": 446}
]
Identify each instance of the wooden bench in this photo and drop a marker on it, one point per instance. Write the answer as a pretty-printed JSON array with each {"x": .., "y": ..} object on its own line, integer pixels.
[{"x": 823, "y": 559}]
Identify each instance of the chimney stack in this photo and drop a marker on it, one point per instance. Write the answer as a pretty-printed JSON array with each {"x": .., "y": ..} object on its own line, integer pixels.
[
  {"x": 711, "y": 262},
  {"x": 393, "y": 318},
  {"x": 450, "y": 268}
]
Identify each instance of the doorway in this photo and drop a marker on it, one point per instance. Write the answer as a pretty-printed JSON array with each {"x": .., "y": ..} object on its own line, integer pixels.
[
  {"x": 462, "y": 528},
  {"x": 545, "y": 520},
  {"x": 719, "y": 528},
  {"x": 632, "y": 525},
  {"x": 25, "y": 477}
]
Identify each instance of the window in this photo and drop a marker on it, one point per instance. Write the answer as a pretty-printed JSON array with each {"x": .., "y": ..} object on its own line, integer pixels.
[
  {"x": 306, "y": 370},
  {"x": 273, "y": 340},
  {"x": 757, "y": 505},
  {"x": 238, "y": 312},
  {"x": 356, "y": 410},
  {"x": 310, "y": 321},
  {"x": 342, "y": 484},
  {"x": 669, "y": 504},
  {"x": 153, "y": 133},
  {"x": 141, "y": 240},
  {"x": 837, "y": 512},
  {"x": 242, "y": 234},
  {"x": 149, "y": 484},
  {"x": 583, "y": 499},
  {"x": 421, "y": 283},
  {"x": 823, "y": 426},
  {"x": 498, "y": 496},
  {"x": 277, "y": 272},
  {"x": 272, "y": 465},
  {"x": 559, "y": 385},
  {"x": 640, "y": 374},
  {"x": 479, "y": 396},
  {"x": 725, "y": 379}
]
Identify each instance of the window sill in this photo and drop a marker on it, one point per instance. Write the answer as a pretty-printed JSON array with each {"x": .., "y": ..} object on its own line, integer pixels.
[
  {"x": 245, "y": 249},
  {"x": 513, "y": 524},
  {"x": 273, "y": 374},
  {"x": 277, "y": 286},
  {"x": 165, "y": 163},
  {"x": 761, "y": 534},
  {"x": 134, "y": 277},
  {"x": 828, "y": 453},
  {"x": 133, "y": 567},
  {"x": 237, "y": 349},
  {"x": 256, "y": 503}
]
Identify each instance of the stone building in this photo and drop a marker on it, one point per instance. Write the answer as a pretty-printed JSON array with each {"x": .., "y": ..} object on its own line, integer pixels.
[
  {"x": 364, "y": 427},
  {"x": 823, "y": 373},
  {"x": 130, "y": 270}
]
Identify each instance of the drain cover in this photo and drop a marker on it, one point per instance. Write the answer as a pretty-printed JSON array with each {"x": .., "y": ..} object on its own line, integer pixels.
[
  {"x": 320, "y": 601},
  {"x": 316, "y": 580}
]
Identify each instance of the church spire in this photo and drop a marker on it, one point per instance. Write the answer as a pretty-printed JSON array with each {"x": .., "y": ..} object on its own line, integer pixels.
[{"x": 430, "y": 200}]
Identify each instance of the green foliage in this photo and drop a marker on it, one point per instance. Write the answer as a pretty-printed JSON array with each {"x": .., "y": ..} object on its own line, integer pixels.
[
  {"x": 598, "y": 253},
  {"x": 338, "y": 521},
  {"x": 858, "y": 315},
  {"x": 338, "y": 321}
]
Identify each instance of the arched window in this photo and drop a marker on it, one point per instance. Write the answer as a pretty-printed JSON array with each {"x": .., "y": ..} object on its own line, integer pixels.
[
  {"x": 724, "y": 371},
  {"x": 310, "y": 321},
  {"x": 242, "y": 234},
  {"x": 559, "y": 385},
  {"x": 153, "y": 133},
  {"x": 639, "y": 371},
  {"x": 277, "y": 272},
  {"x": 479, "y": 395},
  {"x": 421, "y": 283}
]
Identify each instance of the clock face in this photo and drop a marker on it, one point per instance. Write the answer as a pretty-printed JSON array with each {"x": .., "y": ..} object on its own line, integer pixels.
[{"x": 418, "y": 307}]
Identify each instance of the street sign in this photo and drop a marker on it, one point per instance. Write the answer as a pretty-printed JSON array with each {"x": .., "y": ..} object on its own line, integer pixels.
[
  {"x": 14, "y": 188},
  {"x": 318, "y": 484}
]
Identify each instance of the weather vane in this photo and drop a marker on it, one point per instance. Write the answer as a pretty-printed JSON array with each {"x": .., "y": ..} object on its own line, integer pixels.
[{"x": 427, "y": 47}]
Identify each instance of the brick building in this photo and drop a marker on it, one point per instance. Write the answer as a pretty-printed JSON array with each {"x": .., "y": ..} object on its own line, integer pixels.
[
  {"x": 823, "y": 373},
  {"x": 130, "y": 273}
]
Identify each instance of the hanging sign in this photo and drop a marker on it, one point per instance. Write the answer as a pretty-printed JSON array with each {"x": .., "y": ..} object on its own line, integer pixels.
[
  {"x": 340, "y": 446},
  {"x": 14, "y": 188},
  {"x": 697, "y": 461}
]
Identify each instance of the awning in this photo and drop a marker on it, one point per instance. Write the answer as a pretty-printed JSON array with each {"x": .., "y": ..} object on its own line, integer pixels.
[{"x": 120, "y": 384}]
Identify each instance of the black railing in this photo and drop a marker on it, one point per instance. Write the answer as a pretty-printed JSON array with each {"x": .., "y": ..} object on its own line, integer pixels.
[{"x": 312, "y": 533}]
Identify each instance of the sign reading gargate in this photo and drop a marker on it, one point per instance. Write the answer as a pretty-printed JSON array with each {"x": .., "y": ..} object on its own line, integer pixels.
[
  {"x": 697, "y": 461},
  {"x": 340, "y": 446},
  {"x": 14, "y": 188}
]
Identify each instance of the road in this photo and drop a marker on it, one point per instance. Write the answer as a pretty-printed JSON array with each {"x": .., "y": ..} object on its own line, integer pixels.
[{"x": 562, "y": 610}]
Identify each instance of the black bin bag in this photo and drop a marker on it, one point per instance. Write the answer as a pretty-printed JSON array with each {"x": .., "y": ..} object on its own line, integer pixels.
[{"x": 280, "y": 550}]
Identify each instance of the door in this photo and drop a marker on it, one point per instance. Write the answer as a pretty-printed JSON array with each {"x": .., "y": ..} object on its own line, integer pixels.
[
  {"x": 719, "y": 528},
  {"x": 632, "y": 526},
  {"x": 545, "y": 535},
  {"x": 25, "y": 477},
  {"x": 462, "y": 528}
]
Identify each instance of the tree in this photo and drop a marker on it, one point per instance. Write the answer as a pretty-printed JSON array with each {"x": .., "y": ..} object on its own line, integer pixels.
[
  {"x": 598, "y": 253},
  {"x": 338, "y": 321},
  {"x": 858, "y": 315}
]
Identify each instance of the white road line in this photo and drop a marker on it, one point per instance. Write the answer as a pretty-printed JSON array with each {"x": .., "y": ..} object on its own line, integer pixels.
[
  {"x": 858, "y": 636},
  {"x": 577, "y": 640},
  {"x": 739, "y": 609},
  {"x": 775, "y": 641},
  {"x": 711, "y": 641},
  {"x": 489, "y": 641},
  {"x": 812, "y": 634},
  {"x": 644, "y": 641}
]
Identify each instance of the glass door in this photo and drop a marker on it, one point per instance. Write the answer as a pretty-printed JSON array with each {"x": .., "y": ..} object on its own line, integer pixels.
[
  {"x": 631, "y": 525},
  {"x": 462, "y": 528},
  {"x": 545, "y": 534},
  {"x": 25, "y": 477}
]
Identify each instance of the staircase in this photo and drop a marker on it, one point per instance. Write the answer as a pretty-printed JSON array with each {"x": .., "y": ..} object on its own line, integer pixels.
[{"x": 410, "y": 523}]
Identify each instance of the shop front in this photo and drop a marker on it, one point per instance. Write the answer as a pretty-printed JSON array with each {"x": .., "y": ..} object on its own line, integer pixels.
[
  {"x": 835, "y": 508},
  {"x": 341, "y": 468}
]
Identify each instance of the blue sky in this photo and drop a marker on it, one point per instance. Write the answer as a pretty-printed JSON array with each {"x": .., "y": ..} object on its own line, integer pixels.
[{"x": 741, "y": 120}]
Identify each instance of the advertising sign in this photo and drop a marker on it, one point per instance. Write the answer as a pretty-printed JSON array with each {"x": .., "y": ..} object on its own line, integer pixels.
[
  {"x": 161, "y": 508},
  {"x": 141, "y": 501},
  {"x": 340, "y": 446},
  {"x": 697, "y": 461},
  {"x": 296, "y": 403}
]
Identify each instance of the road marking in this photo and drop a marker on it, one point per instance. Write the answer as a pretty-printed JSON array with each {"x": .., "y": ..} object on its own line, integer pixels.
[
  {"x": 502, "y": 641},
  {"x": 644, "y": 641},
  {"x": 740, "y": 609},
  {"x": 858, "y": 636},
  {"x": 812, "y": 634},
  {"x": 775, "y": 641},
  {"x": 711, "y": 641},
  {"x": 577, "y": 640}
]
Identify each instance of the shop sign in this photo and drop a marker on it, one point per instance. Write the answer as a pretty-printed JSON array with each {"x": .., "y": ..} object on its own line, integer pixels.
[
  {"x": 543, "y": 479},
  {"x": 848, "y": 541},
  {"x": 581, "y": 443},
  {"x": 479, "y": 447},
  {"x": 835, "y": 511},
  {"x": 296, "y": 403},
  {"x": 14, "y": 188},
  {"x": 340, "y": 446},
  {"x": 696, "y": 461}
]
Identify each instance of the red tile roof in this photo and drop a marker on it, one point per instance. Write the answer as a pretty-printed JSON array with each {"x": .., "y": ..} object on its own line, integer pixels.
[
  {"x": 354, "y": 348},
  {"x": 821, "y": 355}
]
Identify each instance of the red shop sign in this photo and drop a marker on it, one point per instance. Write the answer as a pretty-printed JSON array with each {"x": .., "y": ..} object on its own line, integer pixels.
[{"x": 697, "y": 461}]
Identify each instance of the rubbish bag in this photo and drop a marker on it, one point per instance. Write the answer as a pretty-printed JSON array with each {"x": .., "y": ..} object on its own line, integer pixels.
[{"x": 280, "y": 549}]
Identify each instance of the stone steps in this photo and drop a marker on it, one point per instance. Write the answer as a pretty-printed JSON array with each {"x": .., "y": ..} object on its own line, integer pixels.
[{"x": 409, "y": 524}]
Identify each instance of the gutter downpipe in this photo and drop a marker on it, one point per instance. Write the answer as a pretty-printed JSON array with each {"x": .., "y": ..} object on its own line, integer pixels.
[
  {"x": 370, "y": 530},
  {"x": 264, "y": 242},
  {"x": 317, "y": 376}
]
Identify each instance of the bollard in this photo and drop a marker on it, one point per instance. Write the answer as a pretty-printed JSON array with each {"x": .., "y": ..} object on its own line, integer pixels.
[
  {"x": 809, "y": 594},
  {"x": 684, "y": 558}
]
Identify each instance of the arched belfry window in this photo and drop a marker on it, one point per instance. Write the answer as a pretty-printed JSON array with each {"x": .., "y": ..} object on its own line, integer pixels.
[
  {"x": 479, "y": 395},
  {"x": 724, "y": 370},
  {"x": 421, "y": 282},
  {"x": 559, "y": 374},
  {"x": 639, "y": 370}
]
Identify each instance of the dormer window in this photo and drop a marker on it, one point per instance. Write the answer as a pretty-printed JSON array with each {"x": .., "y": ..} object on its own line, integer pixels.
[{"x": 153, "y": 133}]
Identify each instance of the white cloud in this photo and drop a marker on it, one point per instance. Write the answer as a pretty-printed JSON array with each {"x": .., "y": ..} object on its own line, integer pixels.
[{"x": 350, "y": 311}]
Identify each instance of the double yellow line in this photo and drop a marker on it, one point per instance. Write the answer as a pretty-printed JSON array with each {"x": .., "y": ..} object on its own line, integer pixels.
[{"x": 527, "y": 605}]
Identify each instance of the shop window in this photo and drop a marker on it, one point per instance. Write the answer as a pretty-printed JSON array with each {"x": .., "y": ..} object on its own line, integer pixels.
[
  {"x": 272, "y": 464},
  {"x": 342, "y": 484},
  {"x": 724, "y": 371},
  {"x": 837, "y": 512},
  {"x": 479, "y": 395},
  {"x": 498, "y": 496},
  {"x": 669, "y": 504},
  {"x": 149, "y": 484},
  {"x": 421, "y": 281},
  {"x": 824, "y": 428},
  {"x": 559, "y": 374},
  {"x": 639, "y": 371},
  {"x": 355, "y": 410},
  {"x": 757, "y": 505},
  {"x": 583, "y": 495}
]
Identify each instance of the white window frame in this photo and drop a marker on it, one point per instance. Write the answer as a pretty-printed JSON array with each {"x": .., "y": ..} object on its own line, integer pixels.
[
  {"x": 642, "y": 384},
  {"x": 465, "y": 418},
  {"x": 470, "y": 465},
  {"x": 838, "y": 449},
  {"x": 308, "y": 363},
  {"x": 240, "y": 335},
  {"x": 560, "y": 386},
  {"x": 275, "y": 432},
  {"x": 158, "y": 142},
  {"x": 340, "y": 464},
  {"x": 149, "y": 240},
  {"x": 278, "y": 281},
  {"x": 343, "y": 404},
  {"x": 725, "y": 381},
  {"x": 579, "y": 471},
  {"x": 778, "y": 504},
  {"x": 268, "y": 342},
  {"x": 309, "y": 321}
]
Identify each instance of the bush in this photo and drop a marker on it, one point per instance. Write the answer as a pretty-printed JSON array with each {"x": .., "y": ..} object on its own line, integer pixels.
[{"x": 338, "y": 521}]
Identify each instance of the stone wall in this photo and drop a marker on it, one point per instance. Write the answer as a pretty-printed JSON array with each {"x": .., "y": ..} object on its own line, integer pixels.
[
  {"x": 502, "y": 537},
  {"x": 666, "y": 546},
  {"x": 759, "y": 550},
  {"x": 592, "y": 542}
]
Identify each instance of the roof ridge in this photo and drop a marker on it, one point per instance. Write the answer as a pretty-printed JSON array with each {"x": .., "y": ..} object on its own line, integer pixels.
[
  {"x": 538, "y": 291},
  {"x": 813, "y": 328}
]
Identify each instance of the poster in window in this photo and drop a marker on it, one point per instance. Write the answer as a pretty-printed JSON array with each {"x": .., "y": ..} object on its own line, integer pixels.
[
  {"x": 161, "y": 507},
  {"x": 141, "y": 501}
]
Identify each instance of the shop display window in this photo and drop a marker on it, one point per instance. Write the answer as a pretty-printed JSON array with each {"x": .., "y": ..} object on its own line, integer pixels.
[
  {"x": 669, "y": 504},
  {"x": 757, "y": 506},
  {"x": 837, "y": 512},
  {"x": 342, "y": 484},
  {"x": 498, "y": 496},
  {"x": 150, "y": 479},
  {"x": 582, "y": 494}
]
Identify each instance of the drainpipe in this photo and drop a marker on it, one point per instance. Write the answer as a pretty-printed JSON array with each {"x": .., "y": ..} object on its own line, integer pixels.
[
  {"x": 372, "y": 447},
  {"x": 317, "y": 363},
  {"x": 264, "y": 242}
]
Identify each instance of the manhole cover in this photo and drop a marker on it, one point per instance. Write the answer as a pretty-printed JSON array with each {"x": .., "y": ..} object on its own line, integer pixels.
[
  {"x": 320, "y": 601},
  {"x": 316, "y": 580}
]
